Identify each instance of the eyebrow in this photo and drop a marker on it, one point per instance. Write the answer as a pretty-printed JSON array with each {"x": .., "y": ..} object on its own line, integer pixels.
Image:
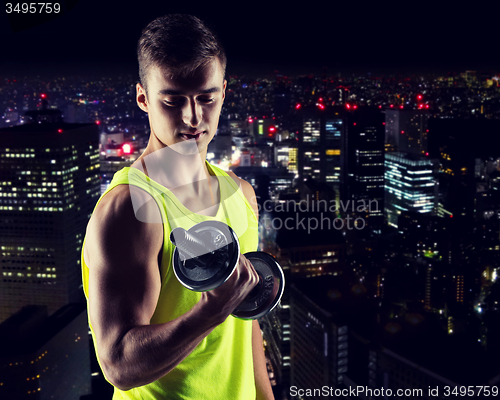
[{"x": 178, "y": 93}]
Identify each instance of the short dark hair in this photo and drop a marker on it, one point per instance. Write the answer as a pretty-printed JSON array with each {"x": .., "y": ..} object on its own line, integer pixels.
[{"x": 180, "y": 43}]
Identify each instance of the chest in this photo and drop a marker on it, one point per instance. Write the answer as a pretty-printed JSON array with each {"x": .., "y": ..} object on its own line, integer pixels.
[{"x": 201, "y": 198}]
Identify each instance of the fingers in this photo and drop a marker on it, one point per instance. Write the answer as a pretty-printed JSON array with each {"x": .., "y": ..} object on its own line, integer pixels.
[
  {"x": 248, "y": 271},
  {"x": 228, "y": 296},
  {"x": 243, "y": 279}
]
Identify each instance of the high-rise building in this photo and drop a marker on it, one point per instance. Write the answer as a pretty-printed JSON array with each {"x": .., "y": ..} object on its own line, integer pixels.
[
  {"x": 320, "y": 145},
  {"x": 411, "y": 183},
  {"x": 407, "y": 130},
  {"x": 305, "y": 237},
  {"x": 318, "y": 250},
  {"x": 466, "y": 151},
  {"x": 276, "y": 334},
  {"x": 45, "y": 357},
  {"x": 285, "y": 155},
  {"x": 365, "y": 165},
  {"x": 319, "y": 344},
  {"x": 49, "y": 185}
]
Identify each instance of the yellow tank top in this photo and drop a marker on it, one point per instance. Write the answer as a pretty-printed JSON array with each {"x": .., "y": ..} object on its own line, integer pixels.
[{"x": 221, "y": 366}]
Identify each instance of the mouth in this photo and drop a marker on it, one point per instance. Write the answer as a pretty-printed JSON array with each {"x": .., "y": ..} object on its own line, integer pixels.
[{"x": 191, "y": 136}]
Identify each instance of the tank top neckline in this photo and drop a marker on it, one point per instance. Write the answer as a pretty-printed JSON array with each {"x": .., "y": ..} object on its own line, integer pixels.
[{"x": 178, "y": 203}]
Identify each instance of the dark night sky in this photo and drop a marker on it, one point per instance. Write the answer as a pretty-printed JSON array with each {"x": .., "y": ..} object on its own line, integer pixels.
[{"x": 98, "y": 35}]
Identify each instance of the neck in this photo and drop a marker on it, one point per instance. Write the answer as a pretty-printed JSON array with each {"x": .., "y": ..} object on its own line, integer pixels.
[{"x": 179, "y": 165}]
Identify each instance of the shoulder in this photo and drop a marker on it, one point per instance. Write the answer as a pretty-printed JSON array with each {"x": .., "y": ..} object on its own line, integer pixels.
[
  {"x": 129, "y": 204},
  {"x": 126, "y": 218},
  {"x": 245, "y": 186},
  {"x": 247, "y": 190}
]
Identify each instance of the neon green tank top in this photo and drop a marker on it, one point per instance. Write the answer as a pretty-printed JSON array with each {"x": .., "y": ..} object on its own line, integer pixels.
[{"x": 221, "y": 366}]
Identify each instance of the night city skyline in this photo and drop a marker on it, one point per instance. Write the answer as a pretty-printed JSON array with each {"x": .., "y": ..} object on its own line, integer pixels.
[{"x": 327, "y": 107}]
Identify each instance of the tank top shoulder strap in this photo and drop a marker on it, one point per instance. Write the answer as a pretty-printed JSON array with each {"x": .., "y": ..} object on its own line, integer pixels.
[
  {"x": 231, "y": 186},
  {"x": 220, "y": 172},
  {"x": 134, "y": 177}
]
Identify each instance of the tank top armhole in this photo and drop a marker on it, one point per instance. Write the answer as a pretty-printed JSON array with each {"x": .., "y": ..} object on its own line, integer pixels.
[
  {"x": 238, "y": 188},
  {"x": 140, "y": 180}
]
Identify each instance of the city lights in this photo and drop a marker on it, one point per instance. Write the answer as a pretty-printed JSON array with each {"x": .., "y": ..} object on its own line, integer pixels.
[
  {"x": 416, "y": 254},
  {"x": 127, "y": 148}
]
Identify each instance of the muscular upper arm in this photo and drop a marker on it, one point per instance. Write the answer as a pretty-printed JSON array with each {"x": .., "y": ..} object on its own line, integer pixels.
[{"x": 122, "y": 256}]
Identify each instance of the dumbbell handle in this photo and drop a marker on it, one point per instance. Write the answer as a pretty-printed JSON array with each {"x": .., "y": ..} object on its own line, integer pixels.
[{"x": 187, "y": 243}]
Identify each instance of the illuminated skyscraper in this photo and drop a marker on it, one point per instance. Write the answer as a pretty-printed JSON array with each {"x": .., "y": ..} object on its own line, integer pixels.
[
  {"x": 285, "y": 155},
  {"x": 49, "y": 184},
  {"x": 406, "y": 130},
  {"x": 320, "y": 144},
  {"x": 365, "y": 164},
  {"x": 410, "y": 185},
  {"x": 344, "y": 148},
  {"x": 319, "y": 344}
]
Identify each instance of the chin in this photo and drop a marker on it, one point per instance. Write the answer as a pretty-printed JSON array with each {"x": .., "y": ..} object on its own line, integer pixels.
[{"x": 187, "y": 147}]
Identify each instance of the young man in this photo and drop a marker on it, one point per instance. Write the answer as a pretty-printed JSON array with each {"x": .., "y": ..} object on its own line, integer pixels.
[{"x": 154, "y": 338}]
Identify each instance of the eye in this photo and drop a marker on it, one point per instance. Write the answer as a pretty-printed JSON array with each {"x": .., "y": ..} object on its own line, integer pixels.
[
  {"x": 205, "y": 99},
  {"x": 174, "y": 102}
]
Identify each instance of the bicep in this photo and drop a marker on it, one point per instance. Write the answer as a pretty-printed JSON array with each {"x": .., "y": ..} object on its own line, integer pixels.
[{"x": 124, "y": 280}]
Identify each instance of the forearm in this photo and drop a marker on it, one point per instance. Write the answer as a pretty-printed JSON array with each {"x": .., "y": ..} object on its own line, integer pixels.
[
  {"x": 262, "y": 383},
  {"x": 148, "y": 352}
]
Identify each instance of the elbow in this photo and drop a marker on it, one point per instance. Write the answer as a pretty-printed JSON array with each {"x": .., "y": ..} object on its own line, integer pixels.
[
  {"x": 123, "y": 386},
  {"x": 115, "y": 368},
  {"x": 116, "y": 375},
  {"x": 118, "y": 369}
]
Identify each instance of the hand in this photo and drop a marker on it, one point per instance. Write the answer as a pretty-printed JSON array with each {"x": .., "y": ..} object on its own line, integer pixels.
[{"x": 224, "y": 299}]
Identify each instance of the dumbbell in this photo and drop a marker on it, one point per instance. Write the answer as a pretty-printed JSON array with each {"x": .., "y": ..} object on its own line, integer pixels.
[{"x": 206, "y": 255}]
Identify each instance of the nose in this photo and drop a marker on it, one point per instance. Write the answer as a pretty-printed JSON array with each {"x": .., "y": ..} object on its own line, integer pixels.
[{"x": 192, "y": 114}]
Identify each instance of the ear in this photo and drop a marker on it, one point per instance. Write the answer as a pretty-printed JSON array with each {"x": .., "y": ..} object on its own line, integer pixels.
[
  {"x": 224, "y": 90},
  {"x": 142, "y": 100}
]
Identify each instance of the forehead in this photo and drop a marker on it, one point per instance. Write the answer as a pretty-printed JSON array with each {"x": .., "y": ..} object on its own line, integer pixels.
[{"x": 207, "y": 76}]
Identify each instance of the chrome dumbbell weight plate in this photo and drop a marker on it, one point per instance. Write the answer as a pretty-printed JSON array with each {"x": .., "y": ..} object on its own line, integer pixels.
[
  {"x": 267, "y": 294},
  {"x": 209, "y": 255}
]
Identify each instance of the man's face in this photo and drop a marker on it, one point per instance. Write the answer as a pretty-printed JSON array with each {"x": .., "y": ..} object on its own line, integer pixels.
[{"x": 183, "y": 109}]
